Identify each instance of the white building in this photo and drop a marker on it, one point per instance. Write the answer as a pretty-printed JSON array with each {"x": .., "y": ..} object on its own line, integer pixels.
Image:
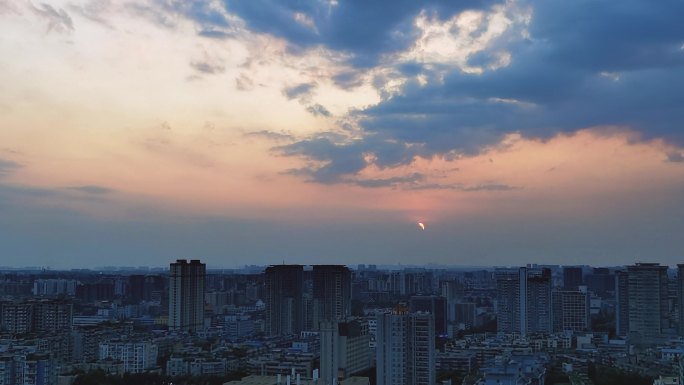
[{"x": 137, "y": 357}]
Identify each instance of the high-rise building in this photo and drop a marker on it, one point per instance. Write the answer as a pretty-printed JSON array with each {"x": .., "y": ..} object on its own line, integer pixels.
[
  {"x": 524, "y": 301},
  {"x": 344, "y": 349},
  {"x": 647, "y": 301},
  {"x": 680, "y": 298},
  {"x": 331, "y": 293},
  {"x": 186, "y": 295},
  {"x": 572, "y": 277},
  {"x": 435, "y": 305},
  {"x": 571, "y": 310},
  {"x": 284, "y": 299},
  {"x": 621, "y": 303},
  {"x": 405, "y": 351}
]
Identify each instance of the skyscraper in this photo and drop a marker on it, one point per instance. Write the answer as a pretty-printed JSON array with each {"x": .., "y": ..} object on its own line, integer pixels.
[
  {"x": 647, "y": 301},
  {"x": 572, "y": 277},
  {"x": 435, "y": 305},
  {"x": 186, "y": 295},
  {"x": 284, "y": 299},
  {"x": 405, "y": 352},
  {"x": 680, "y": 298},
  {"x": 524, "y": 301},
  {"x": 331, "y": 293},
  {"x": 621, "y": 303}
]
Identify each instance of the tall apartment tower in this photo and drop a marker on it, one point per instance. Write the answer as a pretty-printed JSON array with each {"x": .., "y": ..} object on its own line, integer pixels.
[
  {"x": 435, "y": 305},
  {"x": 621, "y": 303},
  {"x": 647, "y": 301},
  {"x": 284, "y": 299},
  {"x": 405, "y": 352},
  {"x": 331, "y": 293},
  {"x": 186, "y": 295},
  {"x": 680, "y": 298},
  {"x": 524, "y": 301},
  {"x": 572, "y": 277}
]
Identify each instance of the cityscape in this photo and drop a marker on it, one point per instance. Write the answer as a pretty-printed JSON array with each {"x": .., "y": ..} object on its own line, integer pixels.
[
  {"x": 341, "y": 192},
  {"x": 337, "y": 324}
]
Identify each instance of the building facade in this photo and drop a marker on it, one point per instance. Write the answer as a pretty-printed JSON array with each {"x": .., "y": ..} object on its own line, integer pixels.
[{"x": 186, "y": 295}]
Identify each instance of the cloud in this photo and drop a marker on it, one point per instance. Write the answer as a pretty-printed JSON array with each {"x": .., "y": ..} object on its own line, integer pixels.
[
  {"x": 675, "y": 157},
  {"x": 57, "y": 19},
  {"x": 8, "y": 166},
  {"x": 271, "y": 135},
  {"x": 318, "y": 110},
  {"x": 92, "y": 189},
  {"x": 301, "y": 91},
  {"x": 207, "y": 67},
  {"x": 554, "y": 82}
]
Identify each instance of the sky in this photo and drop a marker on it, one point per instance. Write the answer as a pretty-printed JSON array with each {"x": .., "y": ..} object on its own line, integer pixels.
[{"x": 239, "y": 132}]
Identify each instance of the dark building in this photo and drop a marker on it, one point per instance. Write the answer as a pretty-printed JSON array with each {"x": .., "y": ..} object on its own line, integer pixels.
[
  {"x": 600, "y": 281},
  {"x": 621, "y": 303},
  {"x": 144, "y": 288},
  {"x": 331, "y": 293},
  {"x": 572, "y": 277},
  {"x": 186, "y": 295},
  {"x": 96, "y": 291},
  {"x": 284, "y": 299},
  {"x": 435, "y": 305}
]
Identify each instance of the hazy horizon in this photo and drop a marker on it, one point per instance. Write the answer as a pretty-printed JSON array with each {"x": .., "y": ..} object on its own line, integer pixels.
[{"x": 239, "y": 132}]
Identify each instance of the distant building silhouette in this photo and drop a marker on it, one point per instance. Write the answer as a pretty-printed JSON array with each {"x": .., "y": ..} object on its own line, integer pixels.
[
  {"x": 622, "y": 303},
  {"x": 435, "y": 305},
  {"x": 647, "y": 301},
  {"x": 284, "y": 299},
  {"x": 186, "y": 295},
  {"x": 572, "y": 277},
  {"x": 571, "y": 310},
  {"x": 524, "y": 301},
  {"x": 331, "y": 293}
]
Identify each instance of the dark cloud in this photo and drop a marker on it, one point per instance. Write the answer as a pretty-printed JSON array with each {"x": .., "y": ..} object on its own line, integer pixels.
[
  {"x": 623, "y": 66},
  {"x": 7, "y": 166},
  {"x": 318, "y": 110},
  {"x": 57, "y": 19},
  {"x": 675, "y": 156},
  {"x": 299, "y": 91},
  {"x": 92, "y": 189},
  {"x": 363, "y": 29},
  {"x": 209, "y": 67},
  {"x": 270, "y": 135}
]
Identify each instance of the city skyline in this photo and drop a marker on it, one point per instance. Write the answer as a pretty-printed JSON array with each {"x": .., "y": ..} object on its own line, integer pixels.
[{"x": 134, "y": 133}]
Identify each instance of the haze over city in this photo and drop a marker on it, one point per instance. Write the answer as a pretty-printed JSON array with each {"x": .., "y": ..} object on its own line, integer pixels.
[{"x": 256, "y": 132}]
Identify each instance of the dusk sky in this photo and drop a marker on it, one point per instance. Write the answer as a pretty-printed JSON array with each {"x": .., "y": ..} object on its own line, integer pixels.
[{"x": 261, "y": 131}]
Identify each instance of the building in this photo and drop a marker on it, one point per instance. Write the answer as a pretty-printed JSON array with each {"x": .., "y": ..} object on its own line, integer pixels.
[
  {"x": 137, "y": 357},
  {"x": 621, "y": 303},
  {"x": 680, "y": 298},
  {"x": 435, "y": 305},
  {"x": 344, "y": 349},
  {"x": 405, "y": 352},
  {"x": 571, "y": 310},
  {"x": 186, "y": 295},
  {"x": 284, "y": 299},
  {"x": 331, "y": 293},
  {"x": 572, "y": 277},
  {"x": 647, "y": 302},
  {"x": 16, "y": 317},
  {"x": 524, "y": 301}
]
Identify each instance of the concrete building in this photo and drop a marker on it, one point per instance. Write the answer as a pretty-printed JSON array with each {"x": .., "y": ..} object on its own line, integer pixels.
[
  {"x": 647, "y": 301},
  {"x": 284, "y": 299},
  {"x": 344, "y": 349},
  {"x": 405, "y": 352},
  {"x": 435, "y": 305},
  {"x": 571, "y": 310},
  {"x": 572, "y": 277},
  {"x": 331, "y": 293},
  {"x": 137, "y": 357},
  {"x": 622, "y": 303},
  {"x": 186, "y": 295},
  {"x": 524, "y": 301},
  {"x": 680, "y": 298}
]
